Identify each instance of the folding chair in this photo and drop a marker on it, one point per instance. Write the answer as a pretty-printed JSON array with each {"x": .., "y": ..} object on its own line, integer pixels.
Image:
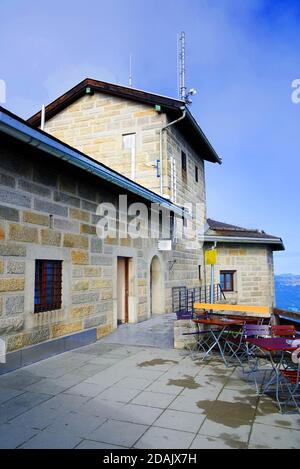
[
  {"x": 191, "y": 335},
  {"x": 290, "y": 382},
  {"x": 288, "y": 331},
  {"x": 253, "y": 353}
]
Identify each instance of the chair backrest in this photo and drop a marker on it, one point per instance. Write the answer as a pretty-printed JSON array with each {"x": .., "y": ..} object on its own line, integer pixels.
[
  {"x": 183, "y": 315},
  {"x": 190, "y": 315},
  {"x": 256, "y": 330},
  {"x": 284, "y": 331}
]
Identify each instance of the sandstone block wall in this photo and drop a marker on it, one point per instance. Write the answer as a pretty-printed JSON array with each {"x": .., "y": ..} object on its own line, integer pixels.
[{"x": 254, "y": 278}]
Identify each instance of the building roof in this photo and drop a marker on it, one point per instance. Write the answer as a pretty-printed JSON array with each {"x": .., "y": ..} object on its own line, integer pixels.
[
  {"x": 173, "y": 107},
  {"x": 20, "y": 129},
  {"x": 225, "y": 232}
]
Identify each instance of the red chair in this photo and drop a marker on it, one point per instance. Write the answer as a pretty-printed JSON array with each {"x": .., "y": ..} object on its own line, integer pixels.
[
  {"x": 284, "y": 331},
  {"x": 291, "y": 383}
]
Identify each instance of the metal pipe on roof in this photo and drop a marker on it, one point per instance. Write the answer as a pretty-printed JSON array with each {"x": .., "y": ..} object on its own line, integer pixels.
[{"x": 43, "y": 117}]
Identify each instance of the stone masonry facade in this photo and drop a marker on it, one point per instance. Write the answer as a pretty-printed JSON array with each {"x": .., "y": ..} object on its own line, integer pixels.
[
  {"x": 48, "y": 211},
  {"x": 95, "y": 125},
  {"x": 254, "y": 272}
]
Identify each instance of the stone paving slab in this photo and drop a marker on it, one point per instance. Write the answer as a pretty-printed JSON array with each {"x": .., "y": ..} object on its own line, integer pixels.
[
  {"x": 119, "y": 433},
  {"x": 185, "y": 421},
  {"x": 48, "y": 440},
  {"x": 13, "y": 435},
  {"x": 158, "y": 331},
  {"x": 160, "y": 438},
  {"x": 76, "y": 424},
  {"x": 120, "y": 396}
]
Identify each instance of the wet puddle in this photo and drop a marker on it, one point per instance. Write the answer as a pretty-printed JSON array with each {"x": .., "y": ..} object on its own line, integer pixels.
[
  {"x": 230, "y": 414},
  {"x": 232, "y": 442},
  {"x": 157, "y": 361},
  {"x": 283, "y": 423},
  {"x": 185, "y": 382}
]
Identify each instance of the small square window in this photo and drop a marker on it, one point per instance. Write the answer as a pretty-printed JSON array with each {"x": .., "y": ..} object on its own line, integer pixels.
[
  {"x": 227, "y": 280},
  {"x": 128, "y": 141},
  {"x": 48, "y": 285},
  {"x": 196, "y": 174}
]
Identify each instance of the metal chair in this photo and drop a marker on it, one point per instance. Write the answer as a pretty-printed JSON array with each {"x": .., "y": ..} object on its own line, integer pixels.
[
  {"x": 253, "y": 355},
  {"x": 290, "y": 384},
  {"x": 194, "y": 339},
  {"x": 288, "y": 331}
]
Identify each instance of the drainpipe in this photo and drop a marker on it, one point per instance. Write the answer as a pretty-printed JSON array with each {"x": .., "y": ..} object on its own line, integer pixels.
[
  {"x": 161, "y": 146},
  {"x": 212, "y": 279}
]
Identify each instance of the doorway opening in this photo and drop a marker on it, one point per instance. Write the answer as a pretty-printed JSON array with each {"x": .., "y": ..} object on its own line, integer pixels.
[
  {"x": 123, "y": 290},
  {"x": 156, "y": 287}
]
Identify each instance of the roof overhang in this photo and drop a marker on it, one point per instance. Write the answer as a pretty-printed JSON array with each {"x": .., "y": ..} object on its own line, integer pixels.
[
  {"x": 275, "y": 243},
  {"x": 18, "y": 128},
  {"x": 171, "y": 106}
]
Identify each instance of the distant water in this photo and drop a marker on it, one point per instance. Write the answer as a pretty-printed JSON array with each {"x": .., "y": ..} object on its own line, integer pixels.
[{"x": 287, "y": 290}]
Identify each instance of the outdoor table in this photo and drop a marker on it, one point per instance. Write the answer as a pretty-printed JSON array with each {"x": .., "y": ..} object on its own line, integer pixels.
[
  {"x": 271, "y": 345},
  {"x": 223, "y": 323}
]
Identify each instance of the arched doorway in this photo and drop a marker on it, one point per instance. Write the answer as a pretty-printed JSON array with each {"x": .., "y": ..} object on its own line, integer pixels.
[{"x": 156, "y": 287}]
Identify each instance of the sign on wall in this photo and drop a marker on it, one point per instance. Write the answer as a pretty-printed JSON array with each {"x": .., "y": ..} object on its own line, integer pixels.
[{"x": 211, "y": 257}]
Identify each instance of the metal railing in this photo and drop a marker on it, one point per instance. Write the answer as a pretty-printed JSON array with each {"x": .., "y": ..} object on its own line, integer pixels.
[{"x": 183, "y": 298}]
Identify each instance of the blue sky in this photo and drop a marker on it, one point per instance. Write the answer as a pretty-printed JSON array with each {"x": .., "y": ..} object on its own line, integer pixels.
[{"x": 242, "y": 56}]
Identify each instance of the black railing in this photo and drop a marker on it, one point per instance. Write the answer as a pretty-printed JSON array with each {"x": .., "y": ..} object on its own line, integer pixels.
[{"x": 183, "y": 298}]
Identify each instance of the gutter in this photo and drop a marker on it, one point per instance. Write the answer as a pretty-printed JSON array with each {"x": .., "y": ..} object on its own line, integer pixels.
[
  {"x": 161, "y": 146},
  {"x": 241, "y": 239},
  {"x": 19, "y": 129}
]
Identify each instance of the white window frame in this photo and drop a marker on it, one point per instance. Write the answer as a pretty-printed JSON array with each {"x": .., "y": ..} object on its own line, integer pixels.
[{"x": 130, "y": 146}]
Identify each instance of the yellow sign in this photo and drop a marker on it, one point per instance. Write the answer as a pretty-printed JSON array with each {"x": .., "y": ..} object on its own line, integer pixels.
[{"x": 211, "y": 257}]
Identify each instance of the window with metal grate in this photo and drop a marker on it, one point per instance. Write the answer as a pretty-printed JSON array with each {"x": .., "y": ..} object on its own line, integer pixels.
[{"x": 48, "y": 285}]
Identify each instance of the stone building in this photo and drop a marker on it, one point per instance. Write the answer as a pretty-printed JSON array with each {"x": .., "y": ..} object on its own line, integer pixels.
[
  {"x": 244, "y": 266},
  {"x": 60, "y": 284},
  {"x": 136, "y": 133}
]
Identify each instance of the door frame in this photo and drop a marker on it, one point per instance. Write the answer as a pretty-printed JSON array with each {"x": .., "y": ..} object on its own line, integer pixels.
[{"x": 131, "y": 255}]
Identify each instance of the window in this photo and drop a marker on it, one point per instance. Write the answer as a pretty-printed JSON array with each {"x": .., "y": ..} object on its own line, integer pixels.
[
  {"x": 196, "y": 174},
  {"x": 183, "y": 166},
  {"x": 227, "y": 280},
  {"x": 183, "y": 161},
  {"x": 48, "y": 285},
  {"x": 128, "y": 141},
  {"x": 172, "y": 225},
  {"x": 128, "y": 144},
  {"x": 199, "y": 272}
]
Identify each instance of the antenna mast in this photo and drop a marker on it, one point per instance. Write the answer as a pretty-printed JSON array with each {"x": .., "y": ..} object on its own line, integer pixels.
[
  {"x": 130, "y": 70},
  {"x": 181, "y": 65},
  {"x": 183, "y": 94}
]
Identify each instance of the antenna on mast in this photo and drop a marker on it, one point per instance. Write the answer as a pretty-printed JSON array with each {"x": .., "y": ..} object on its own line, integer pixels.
[
  {"x": 181, "y": 65},
  {"x": 183, "y": 94},
  {"x": 130, "y": 70}
]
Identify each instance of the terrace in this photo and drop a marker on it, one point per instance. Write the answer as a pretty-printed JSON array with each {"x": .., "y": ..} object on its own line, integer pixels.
[{"x": 109, "y": 395}]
